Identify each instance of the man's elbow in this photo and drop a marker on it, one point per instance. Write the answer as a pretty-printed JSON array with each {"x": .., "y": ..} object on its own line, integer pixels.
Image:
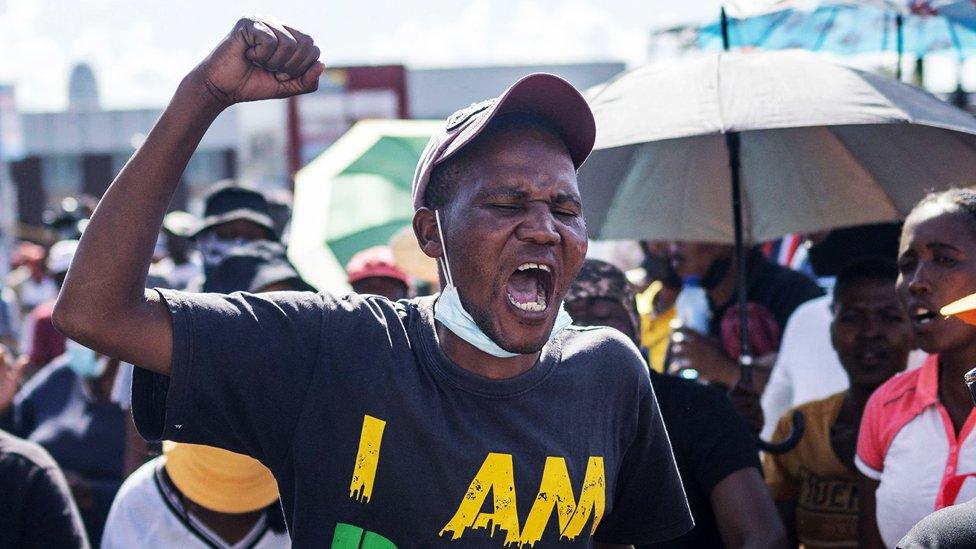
[
  {"x": 76, "y": 321},
  {"x": 66, "y": 318}
]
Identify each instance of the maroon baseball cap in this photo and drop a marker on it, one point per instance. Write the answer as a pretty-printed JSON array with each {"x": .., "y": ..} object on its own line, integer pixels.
[{"x": 545, "y": 95}]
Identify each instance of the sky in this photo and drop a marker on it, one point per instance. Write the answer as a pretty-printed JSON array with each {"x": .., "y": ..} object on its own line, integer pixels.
[{"x": 140, "y": 49}]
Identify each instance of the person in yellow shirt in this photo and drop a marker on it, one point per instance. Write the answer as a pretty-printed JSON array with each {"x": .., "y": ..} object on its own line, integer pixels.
[
  {"x": 655, "y": 304},
  {"x": 814, "y": 485}
]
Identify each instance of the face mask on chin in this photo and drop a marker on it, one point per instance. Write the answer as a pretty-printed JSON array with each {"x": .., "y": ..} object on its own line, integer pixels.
[{"x": 449, "y": 311}]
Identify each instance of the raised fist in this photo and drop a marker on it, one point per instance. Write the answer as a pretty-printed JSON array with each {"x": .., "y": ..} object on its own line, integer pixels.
[{"x": 261, "y": 59}]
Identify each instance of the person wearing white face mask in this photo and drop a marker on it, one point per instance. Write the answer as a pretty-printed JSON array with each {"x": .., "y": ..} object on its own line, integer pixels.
[
  {"x": 232, "y": 217},
  {"x": 67, "y": 409},
  {"x": 469, "y": 419}
]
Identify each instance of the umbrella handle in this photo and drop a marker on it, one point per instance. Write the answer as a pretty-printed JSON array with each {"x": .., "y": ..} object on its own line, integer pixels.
[
  {"x": 799, "y": 422},
  {"x": 790, "y": 442}
]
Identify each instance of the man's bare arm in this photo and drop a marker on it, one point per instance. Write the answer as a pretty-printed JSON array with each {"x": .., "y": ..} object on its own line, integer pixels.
[{"x": 103, "y": 303}]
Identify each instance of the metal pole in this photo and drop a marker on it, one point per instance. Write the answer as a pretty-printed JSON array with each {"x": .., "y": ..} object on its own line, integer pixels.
[
  {"x": 899, "y": 42},
  {"x": 733, "y": 144},
  {"x": 725, "y": 30}
]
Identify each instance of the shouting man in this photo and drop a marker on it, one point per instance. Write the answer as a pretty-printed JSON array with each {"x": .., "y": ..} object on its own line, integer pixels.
[{"x": 472, "y": 418}]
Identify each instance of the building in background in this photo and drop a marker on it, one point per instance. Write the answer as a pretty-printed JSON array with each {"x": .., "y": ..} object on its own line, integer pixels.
[
  {"x": 80, "y": 150},
  {"x": 437, "y": 93},
  {"x": 260, "y": 144},
  {"x": 347, "y": 95},
  {"x": 11, "y": 149}
]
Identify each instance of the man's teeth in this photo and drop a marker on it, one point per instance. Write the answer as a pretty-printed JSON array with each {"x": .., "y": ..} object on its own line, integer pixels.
[
  {"x": 534, "y": 306},
  {"x": 527, "y": 266}
]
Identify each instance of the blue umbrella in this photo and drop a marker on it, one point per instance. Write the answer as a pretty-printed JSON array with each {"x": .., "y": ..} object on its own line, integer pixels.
[{"x": 851, "y": 27}]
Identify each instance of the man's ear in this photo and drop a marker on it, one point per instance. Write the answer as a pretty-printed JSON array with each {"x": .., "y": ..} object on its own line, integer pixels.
[{"x": 425, "y": 229}]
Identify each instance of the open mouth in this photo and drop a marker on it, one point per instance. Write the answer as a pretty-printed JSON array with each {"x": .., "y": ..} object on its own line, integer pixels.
[
  {"x": 923, "y": 316},
  {"x": 529, "y": 288}
]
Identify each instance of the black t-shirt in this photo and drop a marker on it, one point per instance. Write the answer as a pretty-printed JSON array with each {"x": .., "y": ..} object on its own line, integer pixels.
[
  {"x": 36, "y": 509},
  {"x": 710, "y": 442},
  {"x": 85, "y": 436},
  {"x": 372, "y": 433},
  {"x": 778, "y": 289},
  {"x": 950, "y": 528}
]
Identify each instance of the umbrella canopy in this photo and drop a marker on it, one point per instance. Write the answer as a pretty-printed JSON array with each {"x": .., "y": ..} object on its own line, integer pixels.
[
  {"x": 849, "y": 27},
  {"x": 355, "y": 195},
  {"x": 822, "y": 147}
]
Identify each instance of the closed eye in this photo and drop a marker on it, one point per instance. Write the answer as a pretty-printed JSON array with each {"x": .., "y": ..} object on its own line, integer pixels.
[{"x": 505, "y": 207}]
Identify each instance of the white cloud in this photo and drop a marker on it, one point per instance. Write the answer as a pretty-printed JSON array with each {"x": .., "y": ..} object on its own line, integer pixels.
[
  {"x": 533, "y": 32},
  {"x": 140, "y": 49}
]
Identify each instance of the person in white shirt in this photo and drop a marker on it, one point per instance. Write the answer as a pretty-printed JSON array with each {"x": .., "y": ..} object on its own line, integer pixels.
[{"x": 197, "y": 496}]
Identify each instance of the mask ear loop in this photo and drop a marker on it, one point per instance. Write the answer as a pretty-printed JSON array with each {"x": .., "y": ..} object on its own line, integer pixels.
[{"x": 445, "y": 262}]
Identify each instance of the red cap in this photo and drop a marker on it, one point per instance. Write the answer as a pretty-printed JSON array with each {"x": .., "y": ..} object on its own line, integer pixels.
[
  {"x": 544, "y": 95},
  {"x": 375, "y": 261}
]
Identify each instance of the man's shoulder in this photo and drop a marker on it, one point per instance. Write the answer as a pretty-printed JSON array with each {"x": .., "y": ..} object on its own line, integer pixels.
[
  {"x": 294, "y": 304},
  {"x": 685, "y": 390},
  {"x": 605, "y": 350},
  {"x": 684, "y": 401},
  {"x": 22, "y": 455}
]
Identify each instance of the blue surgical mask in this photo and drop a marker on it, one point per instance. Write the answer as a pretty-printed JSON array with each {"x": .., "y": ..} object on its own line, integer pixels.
[
  {"x": 83, "y": 361},
  {"x": 449, "y": 311}
]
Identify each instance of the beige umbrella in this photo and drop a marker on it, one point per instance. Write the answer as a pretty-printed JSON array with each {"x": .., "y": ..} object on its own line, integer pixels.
[
  {"x": 744, "y": 147},
  {"x": 821, "y": 146}
]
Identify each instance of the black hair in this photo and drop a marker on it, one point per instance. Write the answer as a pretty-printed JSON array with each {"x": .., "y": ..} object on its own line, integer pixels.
[
  {"x": 875, "y": 269},
  {"x": 961, "y": 199},
  {"x": 444, "y": 177}
]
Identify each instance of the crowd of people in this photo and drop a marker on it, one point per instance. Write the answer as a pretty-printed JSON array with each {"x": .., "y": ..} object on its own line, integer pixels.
[{"x": 532, "y": 397}]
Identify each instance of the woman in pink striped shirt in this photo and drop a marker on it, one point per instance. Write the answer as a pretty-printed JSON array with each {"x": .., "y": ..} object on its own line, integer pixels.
[{"x": 916, "y": 447}]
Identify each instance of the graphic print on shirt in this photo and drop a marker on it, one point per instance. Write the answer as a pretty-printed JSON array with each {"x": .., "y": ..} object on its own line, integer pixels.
[
  {"x": 496, "y": 476},
  {"x": 348, "y": 536},
  {"x": 367, "y": 457},
  {"x": 826, "y": 509}
]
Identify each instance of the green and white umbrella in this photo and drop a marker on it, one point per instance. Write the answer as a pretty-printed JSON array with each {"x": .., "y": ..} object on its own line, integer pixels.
[{"x": 355, "y": 195}]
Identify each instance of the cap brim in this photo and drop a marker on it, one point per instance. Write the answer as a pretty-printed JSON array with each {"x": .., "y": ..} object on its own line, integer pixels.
[
  {"x": 234, "y": 215},
  {"x": 964, "y": 309},
  {"x": 549, "y": 97}
]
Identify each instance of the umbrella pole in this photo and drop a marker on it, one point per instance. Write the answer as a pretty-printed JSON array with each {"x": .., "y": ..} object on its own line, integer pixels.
[
  {"x": 725, "y": 29},
  {"x": 733, "y": 144},
  {"x": 899, "y": 42}
]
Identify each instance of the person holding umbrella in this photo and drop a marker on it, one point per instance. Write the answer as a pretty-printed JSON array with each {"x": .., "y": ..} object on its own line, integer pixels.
[
  {"x": 774, "y": 290},
  {"x": 916, "y": 447},
  {"x": 478, "y": 417}
]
